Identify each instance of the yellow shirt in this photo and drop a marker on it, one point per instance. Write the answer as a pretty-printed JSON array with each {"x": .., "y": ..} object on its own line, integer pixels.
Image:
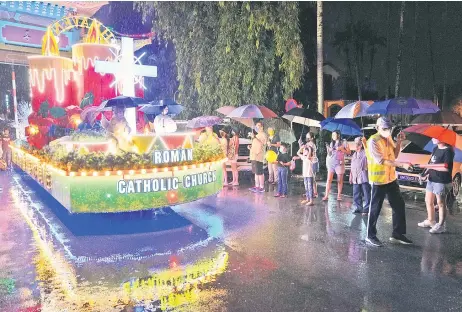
[{"x": 209, "y": 139}]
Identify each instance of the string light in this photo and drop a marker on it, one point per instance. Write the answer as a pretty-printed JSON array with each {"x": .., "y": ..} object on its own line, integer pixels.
[{"x": 107, "y": 173}]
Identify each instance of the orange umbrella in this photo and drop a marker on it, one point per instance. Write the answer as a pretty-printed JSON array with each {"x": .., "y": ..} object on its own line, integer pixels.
[{"x": 437, "y": 132}]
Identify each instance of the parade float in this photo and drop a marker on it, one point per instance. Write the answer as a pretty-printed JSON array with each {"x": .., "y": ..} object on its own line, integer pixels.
[{"x": 119, "y": 165}]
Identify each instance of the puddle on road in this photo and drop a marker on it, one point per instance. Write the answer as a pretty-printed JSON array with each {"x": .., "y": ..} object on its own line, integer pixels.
[{"x": 167, "y": 270}]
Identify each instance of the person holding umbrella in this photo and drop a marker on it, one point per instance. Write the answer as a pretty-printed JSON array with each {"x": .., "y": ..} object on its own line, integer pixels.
[
  {"x": 257, "y": 156},
  {"x": 438, "y": 185},
  {"x": 336, "y": 151},
  {"x": 381, "y": 158},
  {"x": 274, "y": 142}
]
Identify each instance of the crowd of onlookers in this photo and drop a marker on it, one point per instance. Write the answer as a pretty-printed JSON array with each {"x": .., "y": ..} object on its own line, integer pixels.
[{"x": 372, "y": 174}]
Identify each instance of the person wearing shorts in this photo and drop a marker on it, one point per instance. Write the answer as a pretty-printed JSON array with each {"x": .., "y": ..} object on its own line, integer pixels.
[
  {"x": 439, "y": 184},
  {"x": 257, "y": 156},
  {"x": 336, "y": 151}
]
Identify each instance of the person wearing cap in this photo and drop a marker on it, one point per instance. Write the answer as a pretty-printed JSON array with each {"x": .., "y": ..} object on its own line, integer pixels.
[
  {"x": 359, "y": 179},
  {"x": 381, "y": 157}
]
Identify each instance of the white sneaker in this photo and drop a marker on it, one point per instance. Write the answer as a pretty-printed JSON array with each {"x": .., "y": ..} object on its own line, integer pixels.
[
  {"x": 438, "y": 229},
  {"x": 426, "y": 224}
]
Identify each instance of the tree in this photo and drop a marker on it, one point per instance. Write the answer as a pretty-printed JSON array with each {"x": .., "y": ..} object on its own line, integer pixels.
[
  {"x": 400, "y": 48},
  {"x": 414, "y": 49},
  {"x": 232, "y": 53},
  {"x": 320, "y": 58},
  {"x": 354, "y": 40},
  {"x": 374, "y": 42},
  {"x": 387, "y": 69},
  {"x": 430, "y": 49}
]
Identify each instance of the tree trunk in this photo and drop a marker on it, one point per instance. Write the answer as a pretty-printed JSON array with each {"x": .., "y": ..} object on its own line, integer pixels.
[
  {"x": 320, "y": 58},
  {"x": 356, "y": 54},
  {"x": 372, "y": 55},
  {"x": 400, "y": 49},
  {"x": 414, "y": 49},
  {"x": 387, "y": 92},
  {"x": 430, "y": 48},
  {"x": 445, "y": 18}
]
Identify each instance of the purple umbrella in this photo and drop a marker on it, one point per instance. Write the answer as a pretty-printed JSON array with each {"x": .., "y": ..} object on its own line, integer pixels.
[
  {"x": 203, "y": 121},
  {"x": 402, "y": 106}
]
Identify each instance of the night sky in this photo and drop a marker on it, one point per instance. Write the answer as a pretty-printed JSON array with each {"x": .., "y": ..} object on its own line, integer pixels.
[{"x": 446, "y": 41}]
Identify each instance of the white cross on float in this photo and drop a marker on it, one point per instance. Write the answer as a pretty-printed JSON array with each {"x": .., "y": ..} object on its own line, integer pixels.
[{"x": 129, "y": 73}]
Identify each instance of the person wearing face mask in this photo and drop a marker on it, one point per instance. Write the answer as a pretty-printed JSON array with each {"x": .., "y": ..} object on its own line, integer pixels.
[
  {"x": 257, "y": 156},
  {"x": 359, "y": 179},
  {"x": 283, "y": 171},
  {"x": 274, "y": 142},
  {"x": 310, "y": 143},
  {"x": 439, "y": 184},
  {"x": 381, "y": 158},
  {"x": 306, "y": 155},
  {"x": 336, "y": 151}
]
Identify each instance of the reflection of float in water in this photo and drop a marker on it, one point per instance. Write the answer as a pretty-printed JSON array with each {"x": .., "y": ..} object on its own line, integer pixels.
[{"x": 167, "y": 275}]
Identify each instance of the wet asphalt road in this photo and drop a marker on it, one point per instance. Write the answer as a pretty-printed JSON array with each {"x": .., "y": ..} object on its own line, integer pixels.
[{"x": 242, "y": 252}]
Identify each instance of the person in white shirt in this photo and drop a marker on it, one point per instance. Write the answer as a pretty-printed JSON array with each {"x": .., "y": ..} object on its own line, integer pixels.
[
  {"x": 164, "y": 123},
  {"x": 306, "y": 155}
]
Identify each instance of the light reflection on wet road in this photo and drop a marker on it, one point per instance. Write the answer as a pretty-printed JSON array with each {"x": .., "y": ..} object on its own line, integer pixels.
[{"x": 235, "y": 252}]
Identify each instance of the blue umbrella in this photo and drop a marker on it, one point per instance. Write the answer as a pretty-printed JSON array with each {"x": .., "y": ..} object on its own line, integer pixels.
[
  {"x": 402, "y": 106},
  {"x": 156, "y": 107},
  {"x": 345, "y": 126}
]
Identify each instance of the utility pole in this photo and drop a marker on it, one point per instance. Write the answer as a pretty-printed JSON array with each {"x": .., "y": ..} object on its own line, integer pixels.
[{"x": 320, "y": 59}]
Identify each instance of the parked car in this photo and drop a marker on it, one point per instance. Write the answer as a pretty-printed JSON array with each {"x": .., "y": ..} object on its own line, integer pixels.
[{"x": 410, "y": 180}]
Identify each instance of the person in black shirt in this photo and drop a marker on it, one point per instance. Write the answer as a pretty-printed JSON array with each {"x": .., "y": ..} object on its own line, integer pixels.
[
  {"x": 283, "y": 161},
  {"x": 439, "y": 183}
]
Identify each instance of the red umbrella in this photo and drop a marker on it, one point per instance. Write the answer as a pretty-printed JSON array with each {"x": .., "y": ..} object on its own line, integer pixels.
[{"x": 437, "y": 132}]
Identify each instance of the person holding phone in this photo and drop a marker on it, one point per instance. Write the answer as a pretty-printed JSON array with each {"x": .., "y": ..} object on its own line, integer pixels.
[
  {"x": 439, "y": 184},
  {"x": 336, "y": 151},
  {"x": 381, "y": 159}
]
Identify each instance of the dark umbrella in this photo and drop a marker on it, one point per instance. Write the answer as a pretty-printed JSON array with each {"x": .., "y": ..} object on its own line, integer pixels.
[
  {"x": 306, "y": 117},
  {"x": 439, "y": 118},
  {"x": 156, "y": 107},
  {"x": 122, "y": 100},
  {"x": 204, "y": 121}
]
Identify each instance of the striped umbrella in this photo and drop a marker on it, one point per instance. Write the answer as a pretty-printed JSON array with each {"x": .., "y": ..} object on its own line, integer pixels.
[{"x": 252, "y": 111}]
